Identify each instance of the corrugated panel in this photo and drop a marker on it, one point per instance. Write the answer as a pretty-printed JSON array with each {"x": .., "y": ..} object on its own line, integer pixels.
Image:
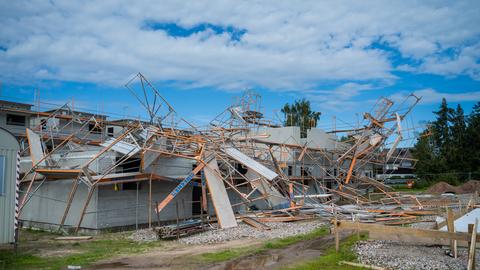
[
  {"x": 7, "y": 200},
  {"x": 250, "y": 163}
]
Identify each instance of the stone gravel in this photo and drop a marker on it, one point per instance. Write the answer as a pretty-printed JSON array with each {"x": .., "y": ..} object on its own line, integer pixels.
[
  {"x": 244, "y": 231},
  {"x": 405, "y": 257},
  {"x": 146, "y": 235}
]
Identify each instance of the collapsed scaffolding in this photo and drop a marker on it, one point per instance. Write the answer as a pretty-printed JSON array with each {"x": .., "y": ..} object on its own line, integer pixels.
[{"x": 238, "y": 154}]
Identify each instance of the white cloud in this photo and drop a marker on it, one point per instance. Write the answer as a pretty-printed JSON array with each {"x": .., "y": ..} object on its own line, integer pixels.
[
  {"x": 286, "y": 47},
  {"x": 432, "y": 96},
  {"x": 343, "y": 97}
]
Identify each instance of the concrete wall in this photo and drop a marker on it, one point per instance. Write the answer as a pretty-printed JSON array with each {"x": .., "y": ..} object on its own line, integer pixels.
[
  {"x": 48, "y": 205},
  {"x": 171, "y": 167},
  {"x": 118, "y": 208}
]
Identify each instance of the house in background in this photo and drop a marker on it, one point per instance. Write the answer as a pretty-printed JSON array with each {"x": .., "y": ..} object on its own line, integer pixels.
[
  {"x": 15, "y": 116},
  {"x": 399, "y": 169}
]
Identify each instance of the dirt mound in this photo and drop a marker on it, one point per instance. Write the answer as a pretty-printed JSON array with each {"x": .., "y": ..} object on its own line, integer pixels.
[
  {"x": 442, "y": 187},
  {"x": 470, "y": 187}
]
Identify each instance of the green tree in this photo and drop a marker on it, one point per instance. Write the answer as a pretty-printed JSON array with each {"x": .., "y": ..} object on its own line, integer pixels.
[
  {"x": 472, "y": 141},
  {"x": 424, "y": 152},
  {"x": 441, "y": 129},
  {"x": 453, "y": 147},
  {"x": 300, "y": 114},
  {"x": 456, "y": 157}
]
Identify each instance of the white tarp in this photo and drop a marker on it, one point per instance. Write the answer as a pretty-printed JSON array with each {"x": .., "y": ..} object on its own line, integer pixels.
[
  {"x": 461, "y": 224},
  {"x": 250, "y": 163}
]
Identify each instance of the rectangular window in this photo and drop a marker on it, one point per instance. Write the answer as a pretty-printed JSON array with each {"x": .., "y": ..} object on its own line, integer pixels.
[
  {"x": 110, "y": 132},
  {"x": 290, "y": 171},
  {"x": 2, "y": 175},
  {"x": 16, "y": 120}
]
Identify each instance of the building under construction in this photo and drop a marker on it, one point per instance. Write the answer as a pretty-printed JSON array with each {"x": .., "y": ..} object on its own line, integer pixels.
[{"x": 82, "y": 171}]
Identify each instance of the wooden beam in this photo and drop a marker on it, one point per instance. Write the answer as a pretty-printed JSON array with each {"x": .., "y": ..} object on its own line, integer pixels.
[
  {"x": 451, "y": 228},
  {"x": 69, "y": 201},
  {"x": 255, "y": 223},
  {"x": 89, "y": 197},
  {"x": 471, "y": 251},
  {"x": 350, "y": 170}
]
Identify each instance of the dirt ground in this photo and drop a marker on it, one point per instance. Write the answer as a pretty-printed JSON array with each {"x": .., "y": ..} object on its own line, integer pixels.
[
  {"x": 172, "y": 256},
  {"x": 179, "y": 256}
]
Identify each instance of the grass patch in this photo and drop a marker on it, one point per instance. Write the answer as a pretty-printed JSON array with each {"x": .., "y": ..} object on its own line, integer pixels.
[
  {"x": 83, "y": 253},
  {"x": 234, "y": 253},
  {"x": 331, "y": 258},
  {"x": 410, "y": 190}
]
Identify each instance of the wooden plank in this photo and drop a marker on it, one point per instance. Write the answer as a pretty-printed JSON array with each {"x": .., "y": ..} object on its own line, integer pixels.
[
  {"x": 218, "y": 193},
  {"x": 255, "y": 223},
  {"x": 471, "y": 251},
  {"x": 73, "y": 238},
  {"x": 282, "y": 219},
  {"x": 470, "y": 230},
  {"x": 451, "y": 228},
  {"x": 361, "y": 265}
]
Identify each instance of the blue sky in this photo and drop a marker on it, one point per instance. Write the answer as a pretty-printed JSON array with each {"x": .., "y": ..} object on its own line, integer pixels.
[{"x": 340, "y": 55}]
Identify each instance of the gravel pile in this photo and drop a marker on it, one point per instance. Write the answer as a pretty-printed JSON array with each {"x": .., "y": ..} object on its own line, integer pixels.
[
  {"x": 402, "y": 256},
  {"x": 147, "y": 235},
  {"x": 278, "y": 230}
]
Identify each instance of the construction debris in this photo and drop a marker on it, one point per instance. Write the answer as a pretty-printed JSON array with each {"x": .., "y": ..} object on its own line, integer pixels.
[
  {"x": 180, "y": 230},
  {"x": 278, "y": 181}
]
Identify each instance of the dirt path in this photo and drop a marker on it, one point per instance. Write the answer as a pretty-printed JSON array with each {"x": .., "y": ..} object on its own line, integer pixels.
[
  {"x": 179, "y": 256},
  {"x": 275, "y": 258},
  {"x": 174, "y": 256}
]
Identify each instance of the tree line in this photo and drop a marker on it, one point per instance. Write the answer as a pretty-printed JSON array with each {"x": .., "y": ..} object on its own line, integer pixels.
[{"x": 449, "y": 148}]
